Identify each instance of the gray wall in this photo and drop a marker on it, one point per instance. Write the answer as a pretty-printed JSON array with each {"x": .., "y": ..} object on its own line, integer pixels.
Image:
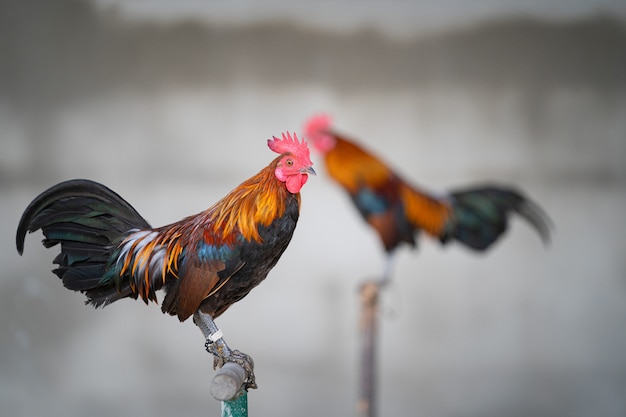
[{"x": 172, "y": 117}]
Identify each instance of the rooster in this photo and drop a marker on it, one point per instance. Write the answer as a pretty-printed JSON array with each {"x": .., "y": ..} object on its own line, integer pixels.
[
  {"x": 476, "y": 216},
  {"x": 205, "y": 262}
]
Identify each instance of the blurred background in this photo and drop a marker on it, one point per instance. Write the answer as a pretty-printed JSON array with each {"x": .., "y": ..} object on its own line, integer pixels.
[{"x": 170, "y": 104}]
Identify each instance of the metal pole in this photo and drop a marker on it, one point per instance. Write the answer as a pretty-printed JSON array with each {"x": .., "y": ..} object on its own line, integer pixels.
[
  {"x": 237, "y": 407},
  {"x": 227, "y": 382},
  {"x": 368, "y": 325},
  {"x": 227, "y": 385}
]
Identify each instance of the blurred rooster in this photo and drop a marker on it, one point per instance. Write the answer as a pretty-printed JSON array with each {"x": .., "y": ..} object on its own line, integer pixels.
[
  {"x": 205, "y": 262},
  {"x": 476, "y": 216}
]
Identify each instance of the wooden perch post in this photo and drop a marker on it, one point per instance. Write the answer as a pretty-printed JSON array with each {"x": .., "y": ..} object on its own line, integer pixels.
[{"x": 368, "y": 326}]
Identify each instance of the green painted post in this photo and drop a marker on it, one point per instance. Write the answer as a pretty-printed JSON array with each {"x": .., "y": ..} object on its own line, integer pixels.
[
  {"x": 227, "y": 387},
  {"x": 237, "y": 407}
]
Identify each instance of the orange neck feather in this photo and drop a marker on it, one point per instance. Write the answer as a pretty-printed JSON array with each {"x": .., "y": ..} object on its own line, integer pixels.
[{"x": 257, "y": 201}]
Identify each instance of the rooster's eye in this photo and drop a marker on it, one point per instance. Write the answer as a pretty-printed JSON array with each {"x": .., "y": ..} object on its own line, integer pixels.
[{"x": 289, "y": 162}]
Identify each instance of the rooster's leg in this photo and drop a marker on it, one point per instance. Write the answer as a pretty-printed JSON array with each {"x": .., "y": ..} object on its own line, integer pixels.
[
  {"x": 387, "y": 271},
  {"x": 217, "y": 346}
]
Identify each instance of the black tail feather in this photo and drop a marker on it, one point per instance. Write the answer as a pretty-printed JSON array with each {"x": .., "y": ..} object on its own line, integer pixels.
[
  {"x": 537, "y": 217},
  {"x": 481, "y": 215},
  {"x": 81, "y": 279},
  {"x": 87, "y": 219}
]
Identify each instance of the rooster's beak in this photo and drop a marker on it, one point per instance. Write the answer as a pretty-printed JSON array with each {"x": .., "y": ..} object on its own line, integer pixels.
[{"x": 308, "y": 170}]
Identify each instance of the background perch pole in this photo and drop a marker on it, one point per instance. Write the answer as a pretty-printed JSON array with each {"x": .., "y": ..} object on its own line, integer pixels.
[{"x": 368, "y": 326}]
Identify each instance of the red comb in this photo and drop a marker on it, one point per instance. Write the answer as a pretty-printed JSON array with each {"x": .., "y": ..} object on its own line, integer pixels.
[
  {"x": 317, "y": 124},
  {"x": 288, "y": 144}
]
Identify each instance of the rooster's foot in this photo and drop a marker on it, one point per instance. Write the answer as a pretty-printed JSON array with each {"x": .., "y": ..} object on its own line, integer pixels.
[{"x": 222, "y": 354}]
